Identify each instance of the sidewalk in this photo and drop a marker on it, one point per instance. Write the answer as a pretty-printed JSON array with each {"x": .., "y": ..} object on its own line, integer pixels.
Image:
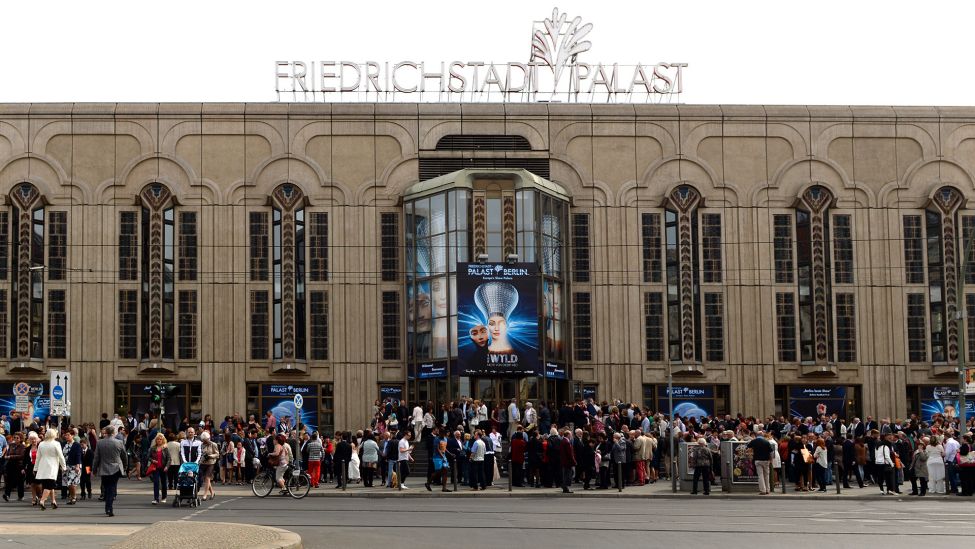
[{"x": 660, "y": 490}]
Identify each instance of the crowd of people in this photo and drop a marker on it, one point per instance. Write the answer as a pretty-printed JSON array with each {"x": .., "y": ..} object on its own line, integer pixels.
[{"x": 470, "y": 443}]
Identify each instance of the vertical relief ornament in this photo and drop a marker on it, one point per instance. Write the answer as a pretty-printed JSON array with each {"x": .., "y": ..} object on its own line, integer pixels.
[
  {"x": 948, "y": 200},
  {"x": 685, "y": 199},
  {"x": 817, "y": 199},
  {"x": 288, "y": 197},
  {"x": 27, "y": 198},
  {"x": 156, "y": 197}
]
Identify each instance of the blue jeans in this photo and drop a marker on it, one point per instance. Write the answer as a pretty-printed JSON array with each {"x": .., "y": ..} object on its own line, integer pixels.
[
  {"x": 158, "y": 481},
  {"x": 391, "y": 468}
]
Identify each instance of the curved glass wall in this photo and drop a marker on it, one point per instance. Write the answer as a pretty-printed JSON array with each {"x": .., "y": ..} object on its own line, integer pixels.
[{"x": 460, "y": 225}]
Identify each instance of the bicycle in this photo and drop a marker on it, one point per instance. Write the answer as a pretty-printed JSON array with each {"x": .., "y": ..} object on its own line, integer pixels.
[{"x": 297, "y": 483}]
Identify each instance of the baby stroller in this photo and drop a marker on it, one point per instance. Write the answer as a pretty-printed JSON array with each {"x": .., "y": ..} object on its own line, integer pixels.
[{"x": 187, "y": 484}]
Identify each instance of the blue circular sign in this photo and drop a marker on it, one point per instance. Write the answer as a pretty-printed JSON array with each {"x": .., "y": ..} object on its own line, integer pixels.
[{"x": 57, "y": 392}]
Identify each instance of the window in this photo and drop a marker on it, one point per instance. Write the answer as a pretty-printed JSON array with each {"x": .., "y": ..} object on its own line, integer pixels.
[
  {"x": 970, "y": 324},
  {"x": 4, "y": 322},
  {"x": 714, "y": 326},
  {"x": 4, "y": 246},
  {"x": 389, "y": 228},
  {"x": 673, "y": 288},
  {"x": 187, "y": 246},
  {"x": 846, "y": 334},
  {"x": 187, "y": 324},
  {"x": 168, "y": 293},
  {"x": 128, "y": 318},
  {"x": 128, "y": 246},
  {"x": 913, "y": 250},
  {"x": 582, "y": 325},
  {"x": 917, "y": 343},
  {"x": 580, "y": 247},
  {"x": 57, "y": 335},
  {"x": 653, "y": 319},
  {"x": 652, "y": 265},
  {"x": 319, "y": 325},
  {"x": 318, "y": 247},
  {"x": 785, "y": 320},
  {"x": 57, "y": 245},
  {"x": 326, "y": 418},
  {"x": 259, "y": 319},
  {"x": 939, "y": 320},
  {"x": 258, "y": 246},
  {"x": 276, "y": 303},
  {"x": 967, "y": 229},
  {"x": 842, "y": 250},
  {"x": 804, "y": 265},
  {"x": 391, "y": 324},
  {"x": 711, "y": 247},
  {"x": 783, "y": 249}
]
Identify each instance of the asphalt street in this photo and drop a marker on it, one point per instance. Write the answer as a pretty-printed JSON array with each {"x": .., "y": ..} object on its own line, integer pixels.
[{"x": 519, "y": 522}]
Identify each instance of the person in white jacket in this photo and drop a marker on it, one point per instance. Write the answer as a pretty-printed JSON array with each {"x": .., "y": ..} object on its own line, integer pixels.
[{"x": 50, "y": 462}]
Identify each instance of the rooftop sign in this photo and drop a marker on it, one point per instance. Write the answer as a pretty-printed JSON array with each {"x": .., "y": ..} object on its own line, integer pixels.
[{"x": 553, "y": 73}]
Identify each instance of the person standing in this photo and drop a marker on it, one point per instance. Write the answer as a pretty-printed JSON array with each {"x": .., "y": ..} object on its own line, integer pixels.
[
  {"x": 477, "y": 462},
  {"x": 315, "y": 452},
  {"x": 158, "y": 468},
  {"x": 341, "y": 460},
  {"x": 567, "y": 460},
  {"x": 762, "y": 455},
  {"x": 370, "y": 459},
  {"x": 514, "y": 417},
  {"x": 109, "y": 463},
  {"x": 86, "y": 457},
  {"x": 405, "y": 450},
  {"x": 47, "y": 465},
  {"x": 72, "y": 473},
  {"x": 702, "y": 466},
  {"x": 14, "y": 469},
  {"x": 919, "y": 466},
  {"x": 210, "y": 455},
  {"x": 936, "y": 465}
]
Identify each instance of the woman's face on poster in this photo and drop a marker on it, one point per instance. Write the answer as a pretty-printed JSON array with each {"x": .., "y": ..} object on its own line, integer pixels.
[
  {"x": 439, "y": 291},
  {"x": 498, "y": 326}
]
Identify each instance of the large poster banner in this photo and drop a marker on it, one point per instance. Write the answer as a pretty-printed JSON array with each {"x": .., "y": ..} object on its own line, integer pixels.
[
  {"x": 743, "y": 469},
  {"x": 30, "y": 398},
  {"x": 943, "y": 401},
  {"x": 279, "y": 400},
  {"x": 817, "y": 401},
  {"x": 497, "y": 319},
  {"x": 689, "y": 400}
]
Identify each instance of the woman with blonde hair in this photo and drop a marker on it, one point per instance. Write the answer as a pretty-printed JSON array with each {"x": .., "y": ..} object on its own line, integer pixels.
[
  {"x": 49, "y": 462},
  {"x": 158, "y": 468}
]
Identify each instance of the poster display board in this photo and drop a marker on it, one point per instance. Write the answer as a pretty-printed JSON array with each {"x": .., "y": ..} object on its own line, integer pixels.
[
  {"x": 817, "y": 401},
  {"x": 279, "y": 399},
  {"x": 944, "y": 401},
  {"x": 497, "y": 319}
]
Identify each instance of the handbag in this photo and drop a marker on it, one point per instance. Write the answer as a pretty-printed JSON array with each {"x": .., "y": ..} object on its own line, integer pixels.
[
  {"x": 273, "y": 460},
  {"x": 806, "y": 456}
]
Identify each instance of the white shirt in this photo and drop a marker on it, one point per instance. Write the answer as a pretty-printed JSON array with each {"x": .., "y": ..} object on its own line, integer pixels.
[
  {"x": 514, "y": 416},
  {"x": 495, "y": 442},
  {"x": 404, "y": 449},
  {"x": 531, "y": 416},
  {"x": 881, "y": 455},
  {"x": 417, "y": 415},
  {"x": 951, "y": 449}
]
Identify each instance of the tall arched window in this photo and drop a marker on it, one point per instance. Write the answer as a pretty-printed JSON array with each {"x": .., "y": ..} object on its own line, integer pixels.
[
  {"x": 36, "y": 237},
  {"x": 157, "y": 254}
]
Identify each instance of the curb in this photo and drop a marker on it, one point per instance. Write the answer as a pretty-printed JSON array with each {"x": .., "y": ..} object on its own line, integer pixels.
[{"x": 189, "y": 532}]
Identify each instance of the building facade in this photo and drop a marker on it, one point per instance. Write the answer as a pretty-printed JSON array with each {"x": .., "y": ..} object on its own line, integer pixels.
[{"x": 766, "y": 256}]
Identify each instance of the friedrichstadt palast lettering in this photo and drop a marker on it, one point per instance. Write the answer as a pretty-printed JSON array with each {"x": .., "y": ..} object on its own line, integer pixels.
[{"x": 553, "y": 73}]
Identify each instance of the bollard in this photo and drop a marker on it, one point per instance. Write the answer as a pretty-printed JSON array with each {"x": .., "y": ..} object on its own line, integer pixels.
[
  {"x": 782, "y": 479},
  {"x": 345, "y": 475},
  {"x": 510, "y": 471},
  {"x": 454, "y": 475},
  {"x": 399, "y": 476},
  {"x": 619, "y": 476},
  {"x": 836, "y": 477}
]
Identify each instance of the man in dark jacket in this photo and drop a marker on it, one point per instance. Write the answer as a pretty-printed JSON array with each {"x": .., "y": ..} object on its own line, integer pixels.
[
  {"x": 343, "y": 455},
  {"x": 457, "y": 455},
  {"x": 554, "y": 455},
  {"x": 544, "y": 419},
  {"x": 110, "y": 462},
  {"x": 567, "y": 460}
]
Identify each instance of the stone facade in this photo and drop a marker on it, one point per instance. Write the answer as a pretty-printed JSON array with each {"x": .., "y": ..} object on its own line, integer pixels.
[{"x": 354, "y": 161}]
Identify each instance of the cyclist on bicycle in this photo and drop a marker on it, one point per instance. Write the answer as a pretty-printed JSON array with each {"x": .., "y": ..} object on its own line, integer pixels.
[{"x": 280, "y": 458}]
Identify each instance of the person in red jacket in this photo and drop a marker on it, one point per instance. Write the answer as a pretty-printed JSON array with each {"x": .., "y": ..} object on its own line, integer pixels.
[
  {"x": 519, "y": 443},
  {"x": 567, "y": 458}
]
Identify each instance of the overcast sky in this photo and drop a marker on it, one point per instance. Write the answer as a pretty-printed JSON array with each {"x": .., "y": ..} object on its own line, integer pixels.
[{"x": 780, "y": 52}]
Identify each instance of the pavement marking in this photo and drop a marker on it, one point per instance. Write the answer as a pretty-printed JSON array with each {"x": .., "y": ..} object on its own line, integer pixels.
[
  {"x": 205, "y": 509},
  {"x": 23, "y": 529}
]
